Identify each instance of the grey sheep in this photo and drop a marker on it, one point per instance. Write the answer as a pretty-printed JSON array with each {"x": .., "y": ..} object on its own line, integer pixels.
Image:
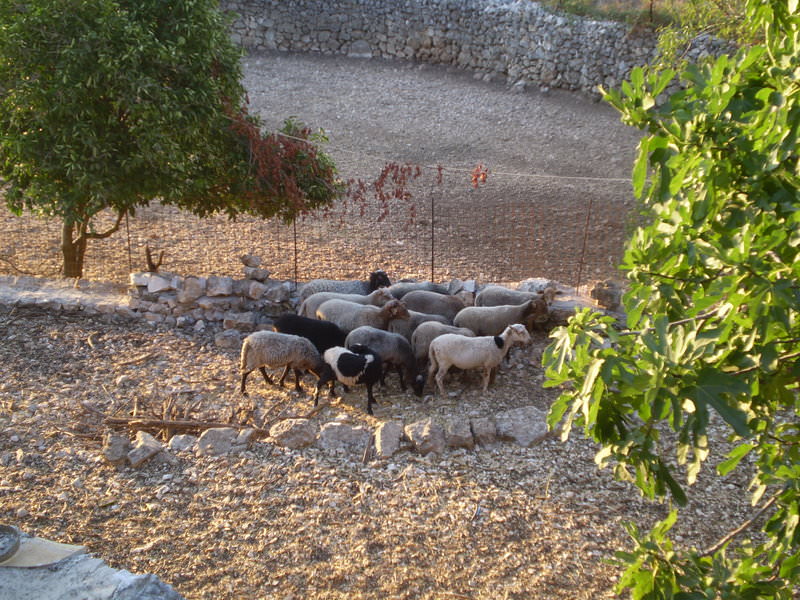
[
  {"x": 401, "y": 288},
  {"x": 425, "y": 301},
  {"x": 349, "y": 315},
  {"x": 309, "y": 306},
  {"x": 492, "y": 320},
  {"x": 424, "y": 334},
  {"x": 376, "y": 280},
  {"x": 270, "y": 350},
  {"x": 498, "y": 295},
  {"x": 415, "y": 319},
  {"x": 394, "y": 350}
]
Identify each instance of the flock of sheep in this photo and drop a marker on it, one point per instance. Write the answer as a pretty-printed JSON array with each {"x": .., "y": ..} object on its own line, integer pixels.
[{"x": 355, "y": 332}]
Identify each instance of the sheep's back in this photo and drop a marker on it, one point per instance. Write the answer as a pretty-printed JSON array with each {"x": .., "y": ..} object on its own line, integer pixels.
[
  {"x": 428, "y": 331},
  {"x": 496, "y": 295},
  {"x": 333, "y": 285}
]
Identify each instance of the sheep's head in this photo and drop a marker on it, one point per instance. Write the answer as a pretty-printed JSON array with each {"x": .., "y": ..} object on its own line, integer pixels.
[
  {"x": 396, "y": 310},
  {"x": 382, "y": 296},
  {"x": 537, "y": 310},
  {"x": 417, "y": 385},
  {"x": 378, "y": 279},
  {"x": 517, "y": 334}
]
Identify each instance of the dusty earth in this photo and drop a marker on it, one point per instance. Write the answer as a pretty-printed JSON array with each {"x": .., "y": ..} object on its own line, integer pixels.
[
  {"x": 496, "y": 522},
  {"x": 557, "y": 162}
]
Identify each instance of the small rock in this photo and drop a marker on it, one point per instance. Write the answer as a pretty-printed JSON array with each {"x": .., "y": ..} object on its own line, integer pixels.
[
  {"x": 144, "y": 448},
  {"x": 219, "y": 286},
  {"x": 251, "y": 260},
  {"x": 335, "y": 437},
  {"x": 458, "y": 434},
  {"x": 116, "y": 448},
  {"x": 387, "y": 439},
  {"x": 256, "y": 274},
  {"x": 525, "y": 426},
  {"x": 484, "y": 431},
  {"x": 181, "y": 443},
  {"x": 193, "y": 288},
  {"x": 293, "y": 433},
  {"x": 216, "y": 441},
  {"x": 230, "y": 339},
  {"x": 427, "y": 436}
]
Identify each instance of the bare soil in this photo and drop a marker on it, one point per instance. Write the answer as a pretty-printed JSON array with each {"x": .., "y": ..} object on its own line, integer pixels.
[{"x": 499, "y": 521}]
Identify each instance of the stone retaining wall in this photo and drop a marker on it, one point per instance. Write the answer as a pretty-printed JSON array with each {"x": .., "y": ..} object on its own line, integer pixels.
[{"x": 514, "y": 41}]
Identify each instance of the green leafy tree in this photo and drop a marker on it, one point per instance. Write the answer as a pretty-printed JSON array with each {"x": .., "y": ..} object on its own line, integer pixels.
[
  {"x": 109, "y": 104},
  {"x": 713, "y": 317}
]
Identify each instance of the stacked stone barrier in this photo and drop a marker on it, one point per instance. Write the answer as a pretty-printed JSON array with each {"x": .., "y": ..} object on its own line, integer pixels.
[
  {"x": 517, "y": 42},
  {"x": 245, "y": 304}
]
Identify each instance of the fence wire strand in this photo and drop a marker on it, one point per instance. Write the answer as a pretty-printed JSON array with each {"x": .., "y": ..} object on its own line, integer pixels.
[{"x": 513, "y": 227}]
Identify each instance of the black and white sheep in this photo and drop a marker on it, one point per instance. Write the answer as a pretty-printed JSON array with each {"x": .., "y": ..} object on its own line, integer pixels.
[
  {"x": 394, "y": 350},
  {"x": 323, "y": 334},
  {"x": 492, "y": 320},
  {"x": 376, "y": 280},
  {"x": 425, "y": 301},
  {"x": 401, "y": 288},
  {"x": 498, "y": 295},
  {"x": 309, "y": 306},
  {"x": 424, "y": 334},
  {"x": 484, "y": 352},
  {"x": 349, "y": 315},
  {"x": 270, "y": 350},
  {"x": 357, "y": 366},
  {"x": 406, "y": 327}
]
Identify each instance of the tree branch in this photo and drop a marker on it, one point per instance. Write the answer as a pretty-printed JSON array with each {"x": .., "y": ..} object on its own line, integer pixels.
[
  {"x": 99, "y": 236},
  {"x": 700, "y": 317},
  {"x": 732, "y": 534}
]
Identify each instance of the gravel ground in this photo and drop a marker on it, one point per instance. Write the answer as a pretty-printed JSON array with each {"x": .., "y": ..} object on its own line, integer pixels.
[{"x": 498, "y": 522}]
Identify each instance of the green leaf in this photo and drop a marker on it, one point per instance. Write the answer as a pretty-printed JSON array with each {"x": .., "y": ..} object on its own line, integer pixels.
[{"x": 734, "y": 458}]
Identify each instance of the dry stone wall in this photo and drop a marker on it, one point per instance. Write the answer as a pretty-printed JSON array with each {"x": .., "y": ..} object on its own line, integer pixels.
[{"x": 514, "y": 41}]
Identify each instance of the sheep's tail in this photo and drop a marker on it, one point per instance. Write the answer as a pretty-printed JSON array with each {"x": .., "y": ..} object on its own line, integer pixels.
[
  {"x": 434, "y": 363},
  {"x": 244, "y": 355}
]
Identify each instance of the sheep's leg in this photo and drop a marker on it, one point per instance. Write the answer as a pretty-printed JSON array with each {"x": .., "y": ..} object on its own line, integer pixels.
[
  {"x": 487, "y": 375},
  {"x": 267, "y": 378},
  {"x": 242, "y": 391},
  {"x": 297, "y": 375},
  {"x": 440, "y": 375},
  {"x": 370, "y": 399},
  {"x": 402, "y": 379},
  {"x": 327, "y": 376},
  {"x": 432, "y": 367},
  {"x": 493, "y": 374},
  {"x": 283, "y": 377}
]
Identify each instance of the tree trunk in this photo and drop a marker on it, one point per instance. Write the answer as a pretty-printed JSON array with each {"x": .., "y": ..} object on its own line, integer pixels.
[{"x": 72, "y": 250}]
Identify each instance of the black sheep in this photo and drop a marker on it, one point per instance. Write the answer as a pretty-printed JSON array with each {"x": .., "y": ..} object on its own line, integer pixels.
[{"x": 323, "y": 334}]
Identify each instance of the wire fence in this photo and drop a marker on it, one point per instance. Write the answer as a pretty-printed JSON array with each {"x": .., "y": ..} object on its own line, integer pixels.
[{"x": 513, "y": 227}]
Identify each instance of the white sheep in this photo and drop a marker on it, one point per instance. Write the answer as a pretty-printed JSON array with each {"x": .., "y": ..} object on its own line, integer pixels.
[
  {"x": 485, "y": 352},
  {"x": 350, "y": 315},
  {"x": 309, "y": 306},
  {"x": 426, "y": 332},
  {"x": 491, "y": 320},
  {"x": 270, "y": 350}
]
